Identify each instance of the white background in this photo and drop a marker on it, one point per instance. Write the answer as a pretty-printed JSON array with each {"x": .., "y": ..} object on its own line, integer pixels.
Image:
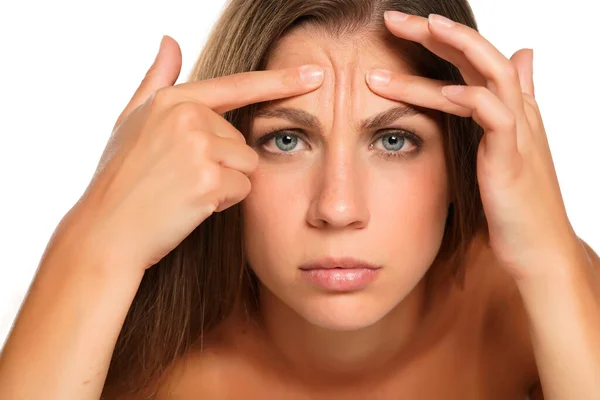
[{"x": 67, "y": 68}]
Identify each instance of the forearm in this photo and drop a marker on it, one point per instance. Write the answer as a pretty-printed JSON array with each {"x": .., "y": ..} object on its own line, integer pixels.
[
  {"x": 564, "y": 319},
  {"x": 62, "y": 341}
]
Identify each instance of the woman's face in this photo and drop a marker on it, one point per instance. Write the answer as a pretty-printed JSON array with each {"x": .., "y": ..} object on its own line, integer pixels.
[{"x": 332, "y": 188}]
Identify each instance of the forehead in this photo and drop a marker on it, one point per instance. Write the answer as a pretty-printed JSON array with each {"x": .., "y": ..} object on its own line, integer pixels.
[
  {"x": 344, "y": 94},
  {"x": 362, "y": 50}
]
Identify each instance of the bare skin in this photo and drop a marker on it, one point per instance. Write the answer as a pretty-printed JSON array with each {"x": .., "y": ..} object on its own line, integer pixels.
[
  {"x": 433, "y": 341},
  {"x": 341, "y": 194},
  {"x": 475, "y": 345},
  {"x": 174, "y": 160},
  {"x": 402, "y": 338},
  {"x": 336, "y": 197}
]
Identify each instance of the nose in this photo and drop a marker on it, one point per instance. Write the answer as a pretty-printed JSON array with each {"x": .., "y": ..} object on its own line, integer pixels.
[{"x": 339, "y": 197}]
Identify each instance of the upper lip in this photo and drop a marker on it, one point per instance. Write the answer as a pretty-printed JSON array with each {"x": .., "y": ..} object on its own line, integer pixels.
[{"x": 344, "y": 262}]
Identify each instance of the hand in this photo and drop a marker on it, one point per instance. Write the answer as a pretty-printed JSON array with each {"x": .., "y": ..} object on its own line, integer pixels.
[
  {"x": 527, "y": 220},
  {"x": 172, "y": 160}
]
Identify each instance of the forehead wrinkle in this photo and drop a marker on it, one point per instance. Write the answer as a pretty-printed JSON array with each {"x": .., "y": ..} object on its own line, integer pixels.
[{"x": 343, "y": 58}]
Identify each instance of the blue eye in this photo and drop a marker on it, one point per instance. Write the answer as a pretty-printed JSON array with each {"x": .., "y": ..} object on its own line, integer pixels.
[
  {"x": 281, "y": 142},
  {"x": 286, "y": 142},
  {"x": 397, "y": 143},
  {"x": 390, "y": 143},
  {"x": 393, "y": 142}
]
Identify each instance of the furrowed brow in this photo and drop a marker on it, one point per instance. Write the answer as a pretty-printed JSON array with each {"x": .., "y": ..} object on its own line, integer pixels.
[
  {"x": 390, "y": 116},
  {"x": 306, "y": 119}
]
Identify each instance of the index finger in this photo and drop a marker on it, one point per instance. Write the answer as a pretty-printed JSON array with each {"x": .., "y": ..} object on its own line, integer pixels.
[{"x": 229, "y": 92}]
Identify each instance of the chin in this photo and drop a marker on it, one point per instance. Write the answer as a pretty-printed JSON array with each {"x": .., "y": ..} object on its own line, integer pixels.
[
  {"x": 346, "y": 312},
  {"x": 341, "y": 311}
]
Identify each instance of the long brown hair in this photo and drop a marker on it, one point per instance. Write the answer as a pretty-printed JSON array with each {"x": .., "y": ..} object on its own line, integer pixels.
[{"x": 195, "y": 287}]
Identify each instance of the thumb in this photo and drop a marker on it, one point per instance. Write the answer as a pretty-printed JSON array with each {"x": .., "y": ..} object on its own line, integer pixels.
[{"x": 163, "y": 72}]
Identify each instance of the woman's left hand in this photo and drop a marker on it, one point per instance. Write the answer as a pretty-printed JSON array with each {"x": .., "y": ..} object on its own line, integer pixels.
[{"x": 528, "y": 224}]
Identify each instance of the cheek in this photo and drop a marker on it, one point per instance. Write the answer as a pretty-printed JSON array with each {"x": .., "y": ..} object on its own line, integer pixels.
[
  {"x": 408, "y": 215},
  {"x": 273, "y": 213},
  {"x": 275, "y": 197},
  {"x": 412, "y": 199}
]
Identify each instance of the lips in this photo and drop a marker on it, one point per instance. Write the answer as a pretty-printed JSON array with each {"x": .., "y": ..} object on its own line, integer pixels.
[{"x": 341, "y": 263}]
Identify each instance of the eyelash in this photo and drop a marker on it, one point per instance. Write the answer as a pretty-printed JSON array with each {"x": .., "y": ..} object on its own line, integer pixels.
[{"x": 401, "y": 133}]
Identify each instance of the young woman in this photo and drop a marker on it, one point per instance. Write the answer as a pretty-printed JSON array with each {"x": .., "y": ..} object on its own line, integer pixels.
[{"x": 337, "y": 205}]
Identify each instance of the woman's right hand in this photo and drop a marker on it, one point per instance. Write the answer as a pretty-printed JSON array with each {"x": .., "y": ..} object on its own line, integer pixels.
[{"x": 172, "y": 160}]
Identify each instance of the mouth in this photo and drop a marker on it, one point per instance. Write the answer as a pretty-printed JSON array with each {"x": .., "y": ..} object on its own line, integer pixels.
[{"x": 338, "y": 263}]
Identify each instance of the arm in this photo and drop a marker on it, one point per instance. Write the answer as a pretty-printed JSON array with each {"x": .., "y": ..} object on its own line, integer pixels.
[
  {"x": 564, "y": 320},
  {"x": 63, "y": 338}
]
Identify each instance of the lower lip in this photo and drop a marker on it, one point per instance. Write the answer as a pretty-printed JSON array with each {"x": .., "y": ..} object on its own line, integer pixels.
[{"x": 339, "y": 279}]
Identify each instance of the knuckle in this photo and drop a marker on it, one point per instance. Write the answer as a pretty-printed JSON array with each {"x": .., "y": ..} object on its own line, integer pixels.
[
  {"x": 186, "y": 115},
  {"x": 481, "y": 94},
  {"x": 509, "y": 72},
  {"x": 508, "y": 122},
  {"x": 161, "y": 97},
  {"x": 208, "y": 179},
  {"x": 200, "y": 144}
]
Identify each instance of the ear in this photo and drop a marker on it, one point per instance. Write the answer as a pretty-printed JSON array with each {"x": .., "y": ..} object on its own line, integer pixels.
[{"x": 523, "y": 61}]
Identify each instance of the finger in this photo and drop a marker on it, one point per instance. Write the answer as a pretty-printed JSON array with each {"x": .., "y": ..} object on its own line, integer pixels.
[
  {"x": 197, "y": 116},
  {"x": 416, "y": 29},
  {"x": 163, "y": 72},
  {"x": 488, "y": 60},
  {"x": 234, "y": 91},
  {"x": 234, "y": 188},
  {"x": 412, "y": 89},
  {"x": 232, "y": 154},
  {"x": 523, "y": 62},
  {"x": 492, "y": 114},
  {"x": 223, "y": 128}
]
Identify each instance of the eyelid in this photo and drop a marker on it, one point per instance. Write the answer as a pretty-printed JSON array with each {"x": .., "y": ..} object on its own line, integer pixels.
[
  {"x": 406, "y": 132},
  {"x": 272, "y": 132},
  {"x": 301, "y": 132}
]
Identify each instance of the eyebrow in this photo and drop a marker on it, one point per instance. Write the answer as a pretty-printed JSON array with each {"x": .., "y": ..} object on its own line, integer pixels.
[{"x": 308, "y": 120}]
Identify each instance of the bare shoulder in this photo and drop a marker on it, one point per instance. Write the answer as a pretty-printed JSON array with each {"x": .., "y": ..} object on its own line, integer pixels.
[
  {"x": 215, "y": 366},
  {"x": 203, "y": 372},
  {"x": 197, "y": 375}
]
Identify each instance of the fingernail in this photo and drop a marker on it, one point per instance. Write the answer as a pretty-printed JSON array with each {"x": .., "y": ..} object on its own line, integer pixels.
[
  {"x": 395, "y": 16},
  {"x": 450, "y": 90},
  {"x": 311, "y": 74},
  {"x": 441, "y": 21},
  {"x": 379, "y": 77}
]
